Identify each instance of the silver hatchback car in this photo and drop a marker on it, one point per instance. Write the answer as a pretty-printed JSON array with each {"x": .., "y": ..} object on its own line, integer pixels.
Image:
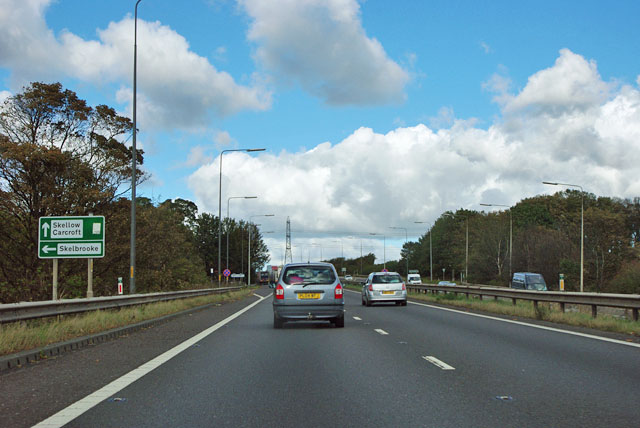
[
  {"x": 308, "y": 291},
  {"x": 384, "y": 287}
]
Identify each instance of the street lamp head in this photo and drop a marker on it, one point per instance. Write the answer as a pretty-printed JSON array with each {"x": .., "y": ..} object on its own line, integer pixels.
[
  {"x": 550, "y": 183},
  {"x": 251, "y": 197},
  {"x": 255, "y": 150},
  {"x": 486, "y": 205}
]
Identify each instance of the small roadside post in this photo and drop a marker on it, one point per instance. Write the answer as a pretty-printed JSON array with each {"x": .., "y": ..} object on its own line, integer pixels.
[
  {"x": 120, "y": 290},
  {"x": 561, "y": 282}
]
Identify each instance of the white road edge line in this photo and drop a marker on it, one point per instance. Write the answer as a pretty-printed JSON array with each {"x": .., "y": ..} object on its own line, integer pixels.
[
  {"x": 381, "y": 331},
  {"x": 81, "y": 406},
  {"x": 541, "y": 327},
  {"x": 438, "y": 363}
]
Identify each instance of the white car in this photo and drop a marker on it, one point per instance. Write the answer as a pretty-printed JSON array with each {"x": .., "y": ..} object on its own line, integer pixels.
[
  {"x": 348, "y": 278},
  {"x": 414, "y": 278}
]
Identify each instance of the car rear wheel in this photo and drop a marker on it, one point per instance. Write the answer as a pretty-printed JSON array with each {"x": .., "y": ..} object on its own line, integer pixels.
[
  {"x": 277, "y": 322},
  {"x": 339, "y": 321},
  {"x": 404, "y": 303},
  {"x": 363, "y": 303},
  {"x": 368, "y": 302}
]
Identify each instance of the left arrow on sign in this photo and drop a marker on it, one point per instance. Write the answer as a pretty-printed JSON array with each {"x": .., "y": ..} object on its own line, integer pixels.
[
  {"x": 47, "y": 248},
  {"x": 45, "y": 229}
]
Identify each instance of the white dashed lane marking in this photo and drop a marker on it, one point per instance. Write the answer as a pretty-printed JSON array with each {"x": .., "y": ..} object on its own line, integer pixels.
[
  {"x": 357, "y": 318},
  {"x": 381, "y": 331},
  {"x": 436, "y": 362}
]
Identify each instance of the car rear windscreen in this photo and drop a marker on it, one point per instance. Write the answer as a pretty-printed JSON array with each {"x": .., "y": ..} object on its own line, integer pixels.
[
  {"x": 386, "y": 279},
  {"x": 309, "y": 275}
]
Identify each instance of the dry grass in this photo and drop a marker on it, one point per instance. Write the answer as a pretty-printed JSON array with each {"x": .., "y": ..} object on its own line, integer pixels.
[
  {"x": 546, "y": 311},
  {"x": 21, "y": 336}
]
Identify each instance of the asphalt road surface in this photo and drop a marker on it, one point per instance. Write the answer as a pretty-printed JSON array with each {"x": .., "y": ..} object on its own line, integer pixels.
[{"x": 390, "y": 366}]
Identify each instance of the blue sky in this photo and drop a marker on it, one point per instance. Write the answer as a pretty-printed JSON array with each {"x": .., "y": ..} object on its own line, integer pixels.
[{"x": 373, "y": 113}]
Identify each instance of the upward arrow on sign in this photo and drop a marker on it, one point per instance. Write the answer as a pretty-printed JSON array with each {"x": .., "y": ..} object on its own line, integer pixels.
[{"x": 45, "y": 229}]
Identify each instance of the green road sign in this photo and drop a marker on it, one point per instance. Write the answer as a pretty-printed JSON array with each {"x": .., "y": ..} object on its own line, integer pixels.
[{"x": 71, "y": 237}]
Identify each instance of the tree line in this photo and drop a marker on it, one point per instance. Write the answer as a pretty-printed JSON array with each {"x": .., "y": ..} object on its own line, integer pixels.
[
  {"x": 61, "y": 157},
  {"x": 546, "y": 240}
]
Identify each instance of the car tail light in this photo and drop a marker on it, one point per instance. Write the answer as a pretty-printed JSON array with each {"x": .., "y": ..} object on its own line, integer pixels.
[
  {"x": 279, "y": 292},
  {"x": 371, "y": 287},
  {"x": 338, "y": 292},
  {"x": 404, "y": 287}
]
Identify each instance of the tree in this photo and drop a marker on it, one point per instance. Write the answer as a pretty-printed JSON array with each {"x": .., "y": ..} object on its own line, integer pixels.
[{"x": 58, "y": 156}]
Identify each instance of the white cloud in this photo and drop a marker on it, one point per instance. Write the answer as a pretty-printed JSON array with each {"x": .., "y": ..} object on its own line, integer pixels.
[
  {"x": 321, "y": 45},
  {"x": 4, "y": 95},
  {"x": 177, "y": 87},
  {"x": 222, "y": 138},
  {"x": 370, "y": 181},
  {"x": 572, "y": 83}
]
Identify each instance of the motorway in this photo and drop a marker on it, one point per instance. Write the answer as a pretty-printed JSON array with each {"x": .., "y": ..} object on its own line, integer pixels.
[{"x": 390, "y": 366}]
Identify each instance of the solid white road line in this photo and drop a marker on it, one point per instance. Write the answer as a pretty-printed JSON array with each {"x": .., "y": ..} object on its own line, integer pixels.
[
  {"x": 65, "y": 416},
  {"x": 357, "y": 318},
  {"x": 381, "y": 331},
  {"x": 438, "y": 363},
  {"x": 541, "y": 327}
]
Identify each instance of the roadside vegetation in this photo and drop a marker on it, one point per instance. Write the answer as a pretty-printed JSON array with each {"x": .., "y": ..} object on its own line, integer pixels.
[
  {"x": 545, "y": 312},
  {"x": 60, "y": 156},
  {"x": 33, "y": 334}
]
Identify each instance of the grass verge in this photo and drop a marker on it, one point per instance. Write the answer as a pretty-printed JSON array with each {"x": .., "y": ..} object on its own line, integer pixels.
[
  {"x": 32, "y": 334},
  {"x": 546, "y": 312}
]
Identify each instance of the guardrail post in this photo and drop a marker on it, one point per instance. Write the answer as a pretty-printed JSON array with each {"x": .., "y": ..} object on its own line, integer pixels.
[
  {"x": 634, "y": 314},
  {"x": 514, "y": 301},
  {"x": 562, "y": 307},
  {"x": 594, "y": 311}
]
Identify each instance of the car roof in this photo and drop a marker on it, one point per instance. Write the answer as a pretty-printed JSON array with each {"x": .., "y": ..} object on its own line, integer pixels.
[
  {"x": 308, "y": 264},
  {"x": 385, "y": 273}
]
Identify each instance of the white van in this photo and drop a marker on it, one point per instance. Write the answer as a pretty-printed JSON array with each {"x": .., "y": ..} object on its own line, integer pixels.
[{"x": 414, "y": 278}]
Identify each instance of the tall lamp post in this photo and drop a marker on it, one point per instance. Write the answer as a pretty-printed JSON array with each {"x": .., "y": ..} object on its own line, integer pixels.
[
  {"x": 430, "y": 250},
  {"x": 132, "y": 278},
  {"x": 229, "y": 199},
  {"x": 510, "y": 235},
  {"x": 406, "y": 239},
  {"x": 249, "y": 255},
  {"x": 384, "y": 247},
  {"x": 581, "y": 227},
  {"x": 220, "y": 205}
]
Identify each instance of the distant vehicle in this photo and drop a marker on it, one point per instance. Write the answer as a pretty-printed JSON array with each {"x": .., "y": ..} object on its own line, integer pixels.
[
  {"x": 384, "y": 287},
  {"x": 348, "y": 278},
  {"x": 446, "y": 283},
  {"x": 414, "y": 278},
  {"x": 263, "y": 278},
  {"x": 528, "y": 281},
  {"x": 308, "y": 291}
]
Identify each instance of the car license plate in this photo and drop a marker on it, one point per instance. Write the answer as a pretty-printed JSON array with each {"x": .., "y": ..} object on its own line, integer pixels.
[
  {"x": 308, "y": 296},
  {"x": 388, "y": 292}
]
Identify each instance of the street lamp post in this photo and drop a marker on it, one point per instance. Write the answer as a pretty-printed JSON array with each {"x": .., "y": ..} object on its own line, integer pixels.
[
  {"x": 132, "y": 278},
  {"x": 406, "y": 239},
  {"x": 510, "y": 235},
  {"x": 249, "y": 255},
  {"x": 581, "y": 227},
  {"x": 220, "y": 204},
  {"x": 430, "y": 251},
  {"x": 228, "y": 200}
]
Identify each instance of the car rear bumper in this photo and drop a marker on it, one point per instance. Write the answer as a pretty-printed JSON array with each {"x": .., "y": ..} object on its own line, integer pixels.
[
  {"x": 308, "y": 312},
  {"x": 377, "y": 296}
]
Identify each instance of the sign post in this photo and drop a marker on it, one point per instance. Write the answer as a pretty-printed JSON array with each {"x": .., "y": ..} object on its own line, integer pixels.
[
  {"x": 120, "y": 291},
  {"x": 71, "y": 237}
]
